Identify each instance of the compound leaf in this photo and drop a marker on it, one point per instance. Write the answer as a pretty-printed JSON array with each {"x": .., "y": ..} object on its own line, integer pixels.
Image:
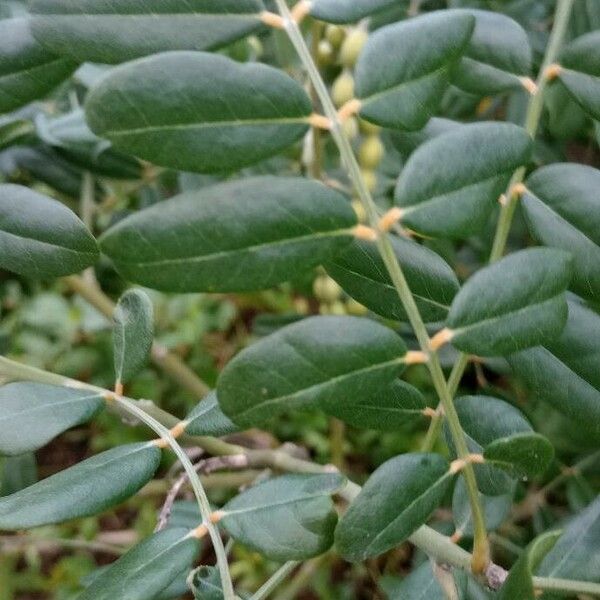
[
  {"x": 40, "y": 237},
  {"x": 286, "y": 518},
  {"x": 34, "y": 413},
  {"x": 396, "y": 500},
  {"x": 316, "y": 363},
  {"x": 147, "y": 569},
  {"x": 212, "y": 115},
  {"x": 27, "y": 70},
  {"x": 133, "y": 333},
  {"x": 238, "y": 236},
  {"x": 361, "y": 272},
  {"x": 405, "y": 68},
  {"x": 102, "y": 31},
  {"x": 562, "y": 209},
  {"x": 515, "y": 303},
  {"x": 85, "y": 489},
  {"x": 447, "y": 189}
]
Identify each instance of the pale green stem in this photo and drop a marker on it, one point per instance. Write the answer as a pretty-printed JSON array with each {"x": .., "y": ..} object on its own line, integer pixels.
[
  {"x": 13, "y": 370},
  {"x": 566, "y": 585},
  {"x": 275, "y": 580},
  {"x": 532, "y": 121},
  {"x": 481, "y": 546}
]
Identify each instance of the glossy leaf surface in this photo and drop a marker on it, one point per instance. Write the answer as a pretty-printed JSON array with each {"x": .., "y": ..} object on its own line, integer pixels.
[
  {"x": 396, "y": 500},
  {"x": 405, "y": 68},
  {"x": 40, "y": 237},
  {"x": 209, "y": 116},
  {"x": 360, "y": 270},
  {"x": 34, "y": 413},
  {"x": 562, "y": 208},
  {"x": 286, "y": 518},
  {"x": 517, "y": 302},
  {"x": 85, "y": 489},
  {"x": 238, "y": 236},
  {"x": 107, "y": 32},
  {"x": 447, "y": 189}
]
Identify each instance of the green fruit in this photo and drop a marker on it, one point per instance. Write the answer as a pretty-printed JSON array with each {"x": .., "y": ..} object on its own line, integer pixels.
[
  {"x": 335, "y": 35},
  {"x": 371, "y": 152},
  {"x": 352, "y": 47},
  {"x": 343, "y": 89}
]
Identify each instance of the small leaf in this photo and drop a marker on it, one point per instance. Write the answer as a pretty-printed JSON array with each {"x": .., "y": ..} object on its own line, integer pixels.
[
  {"x": 209, "y": 116},
  {"x": 360, "y": 270},
  {"x": 287, "y": 518},
  {"x": 27, "y": 70},
  {"x": 347, "y": 11},
  {"x": 525, "y": 453},
  {"x": 576, "y": 555},
  {"x": 564, "y": 372},
  {"x": 243, "y": 235},
  {"x": 519, "y": 583},
  {"x": 513, "y": 304},
  {"x": 580, "y": 71},
  {"x": 207, "y": 418},
  {"x": 485, "y": 420},
  {"x": 496, "y": 509},
  {"x": 422, "y": 584},
  {"x": 40, "y": 237},
  {"x": 388, "y": 410},
  {"x": 497, "y": 56},
  {"x": 448, "y": 190},
  {"x": 85, "y": 489},
  {"x": 34, "y": 413},
  {"x": 397, "y": 499},
  {"x": 101, "y": 31},
  {"x": 316, "y": 363},
  {"x": 405, "y": 68},
  {"x": 147, "y": 569},
  {"x": 133, "y": 333},
  {"x": 205, "y": 583},
  {"x": 562, "y": 208},
  {"x": 14, "y": 130}
]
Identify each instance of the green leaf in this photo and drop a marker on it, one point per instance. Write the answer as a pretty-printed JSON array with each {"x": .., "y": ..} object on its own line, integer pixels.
[
  {"x": 485, "y": 420},
  {"x": 213, "y": 114},
  {"x": 17, "y": 472},
  {"x": 422, "y": 584},
  {"x": 205, "y": 583},
  {"x": 496, "y": 509},
  {"x": 580, "y": 71},
  {"x": 287, "y": 518},
  {"x": 405, "y": 68},
  {"x": 525, "y": 453},
  {"x": 360, "y": 270},
  {"x": 513, "y": 304},
  {"x": 406, "y": 142},
  {"x": 497, "y": 56},
  {"x": 576, "y": 555},
  {"x": 397, "y": 499},
  {"x": 564, "y": 372},
  {"x": 347, "y": 11},
  {"x": 562, "y": 209},
  {"x": 147, "y": 569},
  {"x": 133, "y": 334},
  {"x": 85, "y": 489},
  {"x": 388, "y": 410},
  {"x": 40, "y": 237},
  {"x": 27, "y": 70},
  {"x": 104, "y": 32},
  {"x": 14, "y": 130},
  {"x": 242, "y": 235},
  {"x": 446, "y": 189},
  {"x": 207, "y": 418},
  {"x": 34, "y": 413},
  {"x": 317, "y": 363},
  {"x": 519, "y": 583}
]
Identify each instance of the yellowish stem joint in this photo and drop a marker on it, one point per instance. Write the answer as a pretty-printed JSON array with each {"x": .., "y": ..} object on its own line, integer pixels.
[
  {"x": 301, "y": 10},
  {"x": 391, "y": 217},
  {"x": 553, "y": 71},
  {"x": 319, "y": 121},
  {"x": 349, "y": 109},
  {"x": 362, "y": 232},
  {"x": 272, "y": 20},
  {"x": 440, "y": 339},
  {"x": 415, "y": 357},
  {"x": 529, "y": 84}
]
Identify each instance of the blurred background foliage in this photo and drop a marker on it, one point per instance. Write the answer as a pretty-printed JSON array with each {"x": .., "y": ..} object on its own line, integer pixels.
[{"x": 47, "y": 146}]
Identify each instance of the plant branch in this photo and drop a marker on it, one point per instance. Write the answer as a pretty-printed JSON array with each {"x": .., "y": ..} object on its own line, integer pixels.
[
  {"x": 275, "y": 580},
  {"x": 161, "y": 357},
  {"x": 532, "y": 121},
  {"x": 481, "y": 546}
]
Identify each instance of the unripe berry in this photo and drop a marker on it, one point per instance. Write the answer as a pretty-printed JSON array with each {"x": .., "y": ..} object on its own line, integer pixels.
[
  {"x": 370, "y": 179},
  {"x": 335, "y": 35},
  {"x": 352, "y": 47},
  {"x": 356, "y": 308},
  {"x": 343, "y": 89},
  {"x": 330, "y": 291},
  {"x": 368, "y": 128},
  {"x": 350, "y": 127},
  {"x": 371, "y": 152},
  {"x": 337, "y": 308},
  {"x": 325, "y": 53}
]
